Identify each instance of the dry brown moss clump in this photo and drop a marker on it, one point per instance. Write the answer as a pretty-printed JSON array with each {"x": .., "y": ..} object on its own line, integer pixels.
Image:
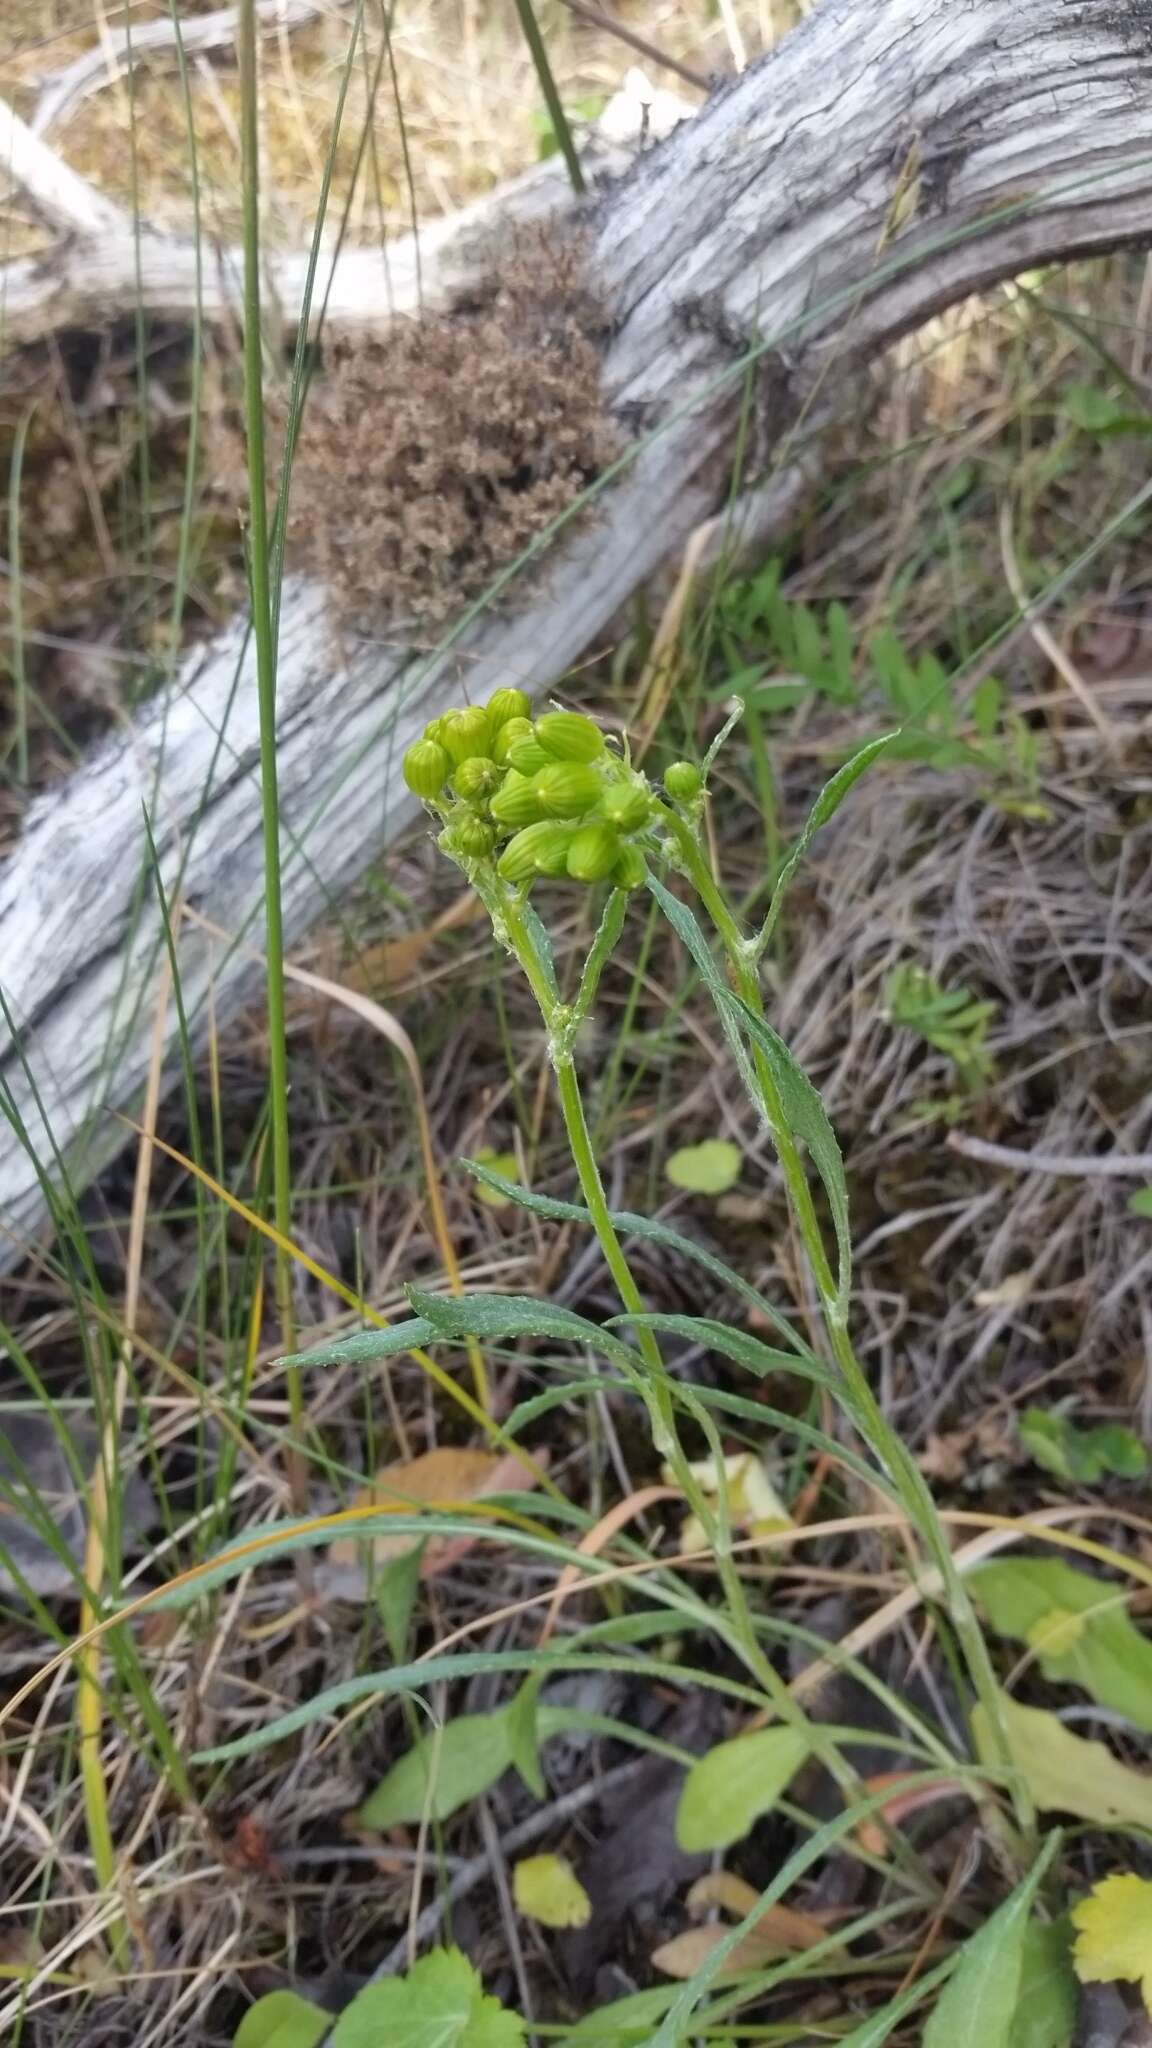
[{"x": 430, "y": 456}]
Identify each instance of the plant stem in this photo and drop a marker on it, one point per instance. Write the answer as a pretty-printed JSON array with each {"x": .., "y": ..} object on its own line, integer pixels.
[
  {"x": 264, "y": 637},
  {"x": 864, "y": 1408},
  {"x": 559, "y": 1021}
]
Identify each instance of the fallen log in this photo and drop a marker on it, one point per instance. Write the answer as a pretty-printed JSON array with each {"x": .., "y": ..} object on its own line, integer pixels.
[{"x": 885, "y": 162}]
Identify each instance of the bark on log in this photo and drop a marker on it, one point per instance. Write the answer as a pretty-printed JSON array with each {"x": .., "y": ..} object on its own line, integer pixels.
[{"x": 767, "y": 221}]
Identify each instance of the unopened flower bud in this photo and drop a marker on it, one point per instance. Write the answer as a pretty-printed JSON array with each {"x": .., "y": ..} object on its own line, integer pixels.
[
  {"x": 567, "y": 789},
  {"x": 505, "y": 704},
  {"x": 425, "y": 769},
  {"x": 593, "y": 853},
  {"x": 516, "y": 803},
  {"x": 540, "y": 849},
  {"x": 466, "y": 734},
  {"x": 471, "y": 837},
  {"x": 506, "y": 736},
  {"x": 629, "y": 871},
  {"x": 683, "y": 781},
  {"x": 627, "y": 805},
  {"x": 569, "y": 736},
  {"x": 527, "y": 756},
  {"x": 476, "y": 778}
]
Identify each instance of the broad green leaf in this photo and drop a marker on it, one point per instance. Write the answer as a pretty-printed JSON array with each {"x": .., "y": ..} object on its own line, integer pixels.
[
  {"x": 1045, "y": 2012},
  {"x": 1084, "y": 1455},
  {"x": 464, "y": 1759},
  {"x": 1092, "y": 410},
  {"x": 727, "y": 1790},
  {"x": 441, "y": 2003},
  {"x": 1097, "y": 1646},
  {"x": 547, "y": 1889},
  {"x": 625, "y": 2023},
  {"x": 825, "y": 807},
  {"x": 978, "y": 2004},
  {"x": 807, "y": 1119},
  {"x": 1066, "y": 1773},
  {"x": 1140, "y": 1203},
  {"x": 710, "y": 1168},
  {"x": 282, "y": 2020}
]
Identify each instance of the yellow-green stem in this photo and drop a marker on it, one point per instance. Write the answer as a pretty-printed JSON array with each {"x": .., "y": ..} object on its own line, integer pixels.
[
  {"x": 507, "y": 915},
  {"x": 264, "y": 638},
  {"x": 863, "y": 1405}
]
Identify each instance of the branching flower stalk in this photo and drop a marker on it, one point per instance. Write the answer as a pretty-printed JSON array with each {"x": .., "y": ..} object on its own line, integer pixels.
[
  {"x": 518, "y": 800},
  {"x": 566, "y": 805},
  {"x": 742, "y": 955}
]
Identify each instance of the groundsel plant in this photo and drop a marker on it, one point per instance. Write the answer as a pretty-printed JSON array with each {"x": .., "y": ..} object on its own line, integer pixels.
[
  {"x": 519, "y": 800},
  {"x": 521, "y": 804}
]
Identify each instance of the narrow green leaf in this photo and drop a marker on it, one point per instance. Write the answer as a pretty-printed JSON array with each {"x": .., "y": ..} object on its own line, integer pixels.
[
  {"x": 808, "y": 1119},
  {"x": 825, "y": 807},
  {"x": 727, "y": 1790},
  {"x": 692, "y": 938},
  {"x": 395, "y": 1585},
  {"x": 979, "y": 2002},
  {"x": 746, "y": 1350},
  {"x": 418, "y": 1676},
  {"x": 282, "y": 2020},
  {"x": 367, "y": 1345},
  {"x": 541, "y": 945},
  {"x": 629, "y": 1224},
  {"x": 510, "y": 1315},
  {"x": 525, "y": 1732},
  {"x": 284, "y": 1539}
]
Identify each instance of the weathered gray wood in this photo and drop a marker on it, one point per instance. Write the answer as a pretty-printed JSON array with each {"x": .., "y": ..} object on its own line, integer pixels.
[{"x": 767, "y": 219}]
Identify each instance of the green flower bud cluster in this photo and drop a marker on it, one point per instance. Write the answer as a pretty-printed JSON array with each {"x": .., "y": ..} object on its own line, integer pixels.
[{"x": 540, "y": 797}]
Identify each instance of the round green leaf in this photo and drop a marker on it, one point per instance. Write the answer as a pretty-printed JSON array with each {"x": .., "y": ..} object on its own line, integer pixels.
[
  {"x": 734, "y": 1784},
  {"x": 708, "y": 1169}
]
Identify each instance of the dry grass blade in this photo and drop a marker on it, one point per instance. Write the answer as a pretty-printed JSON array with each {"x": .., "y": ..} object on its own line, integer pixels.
[
  {"x": 1046, "y": 641},
  {"x": 89, "y": 1693},
  {"x": 390, "y": 1027}
]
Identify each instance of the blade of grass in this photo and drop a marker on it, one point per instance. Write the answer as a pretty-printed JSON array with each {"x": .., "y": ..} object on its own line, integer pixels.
[
  {"x": 389, "y": 1027},
  {"x": 89, "y": 1690},
  {"x": 291, "y": 1251},
  {"x": 264, "y": 635},
  {"x": 561, "y": 128},
  {"x": 15, "y": 594}
]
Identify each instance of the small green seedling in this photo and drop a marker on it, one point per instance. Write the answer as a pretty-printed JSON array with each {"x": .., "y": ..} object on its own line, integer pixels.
[{"x": 949, "y": 1019}]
